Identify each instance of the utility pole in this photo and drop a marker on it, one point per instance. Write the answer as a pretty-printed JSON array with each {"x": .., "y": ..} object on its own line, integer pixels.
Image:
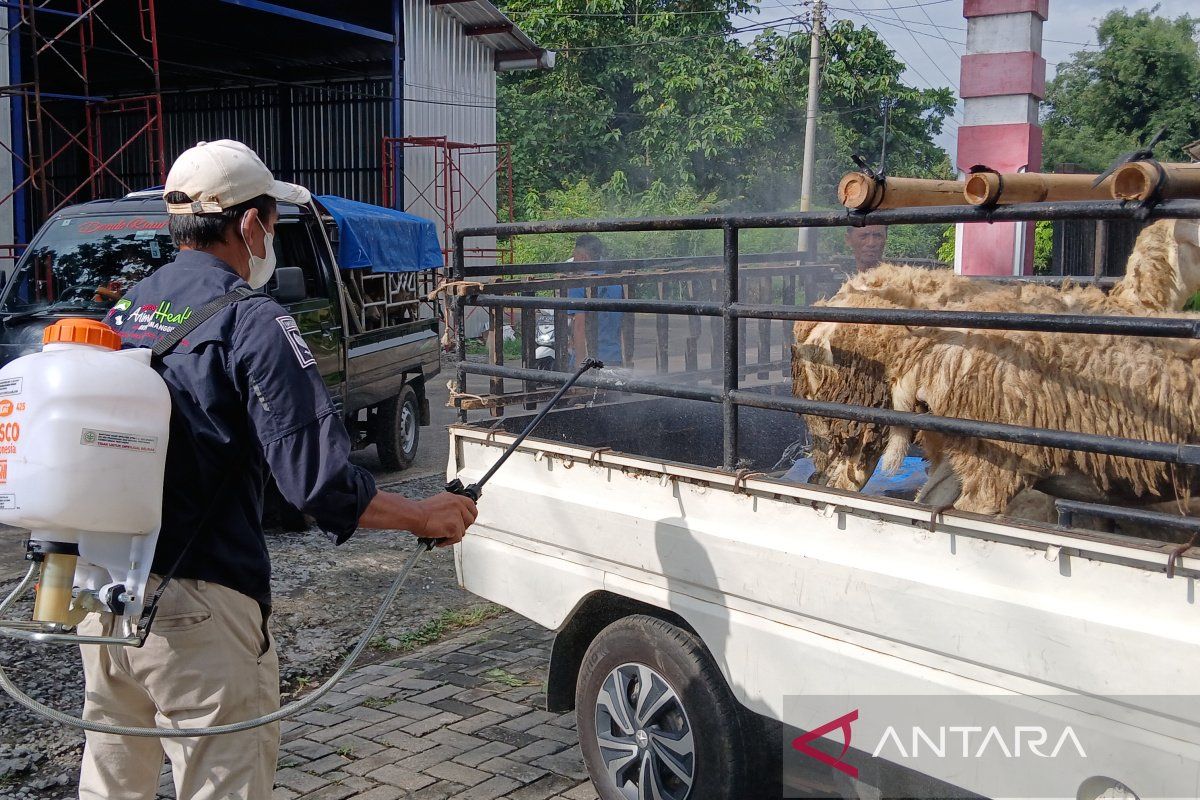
[
  {"x": 887, "y": 114},
  {"x": 804, "y": 241}
]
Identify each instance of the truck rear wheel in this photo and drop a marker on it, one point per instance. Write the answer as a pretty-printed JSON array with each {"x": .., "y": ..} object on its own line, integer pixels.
[
  {"x": 655, "y": 717},
  {"x": 398, "y": 430}
]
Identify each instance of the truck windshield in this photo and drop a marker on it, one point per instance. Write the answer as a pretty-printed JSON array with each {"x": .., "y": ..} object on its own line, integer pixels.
[{"x": 88, "y": 263}]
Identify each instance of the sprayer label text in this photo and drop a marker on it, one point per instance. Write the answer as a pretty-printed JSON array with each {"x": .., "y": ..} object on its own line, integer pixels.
[
  {"x": 8, "y": 502},
  {"x": 118, "y": 441},
  {"x": 10, "y": 386},
  {"x": 10, "y": 432}
]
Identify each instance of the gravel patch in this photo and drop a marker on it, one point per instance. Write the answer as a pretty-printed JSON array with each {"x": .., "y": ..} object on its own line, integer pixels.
[{"x": 323, "y": 597}]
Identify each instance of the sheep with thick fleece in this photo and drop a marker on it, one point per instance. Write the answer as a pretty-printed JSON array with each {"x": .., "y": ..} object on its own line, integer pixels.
[
  {"x": 1139, "y": 388},
  {"x": 1162, "y": 273}
]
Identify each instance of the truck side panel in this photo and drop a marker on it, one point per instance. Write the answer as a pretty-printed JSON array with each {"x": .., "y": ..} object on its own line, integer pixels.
[
  {"x": 377, "y": 362},
  {"x": 795, "y": 600}
]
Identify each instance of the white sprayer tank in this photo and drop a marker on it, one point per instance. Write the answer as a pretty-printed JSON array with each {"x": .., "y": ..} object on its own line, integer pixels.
[{"x": 83, "y": 444}]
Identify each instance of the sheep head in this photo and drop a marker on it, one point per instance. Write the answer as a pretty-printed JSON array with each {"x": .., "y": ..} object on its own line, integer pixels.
[
  {"x": 1187, "y": 251},
  {"x": 830, "y": 363}
]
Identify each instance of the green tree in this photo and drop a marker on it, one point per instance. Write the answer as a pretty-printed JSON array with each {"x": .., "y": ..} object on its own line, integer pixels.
[
  {"x": 670, "y": 94},
  {"x": 1145, "y": 76}
]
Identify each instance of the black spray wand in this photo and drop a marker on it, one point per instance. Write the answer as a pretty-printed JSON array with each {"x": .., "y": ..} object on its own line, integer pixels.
[{"x": 476, "y": 489}]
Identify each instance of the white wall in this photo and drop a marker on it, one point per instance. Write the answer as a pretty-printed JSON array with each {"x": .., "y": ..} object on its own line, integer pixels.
[{"x": 449, "y": 90}]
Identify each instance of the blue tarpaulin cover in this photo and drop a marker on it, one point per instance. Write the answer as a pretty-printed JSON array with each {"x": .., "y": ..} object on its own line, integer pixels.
[
  {"x": 905, "y": 482},
  {"x": 383, "y": 239}
]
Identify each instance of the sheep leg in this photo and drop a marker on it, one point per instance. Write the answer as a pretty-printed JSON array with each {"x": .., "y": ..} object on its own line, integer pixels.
[{"x": 987, "y": 487}]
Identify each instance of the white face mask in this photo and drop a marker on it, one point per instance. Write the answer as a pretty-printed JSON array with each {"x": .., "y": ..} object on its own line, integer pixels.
[{"x": 261, "y": 268}]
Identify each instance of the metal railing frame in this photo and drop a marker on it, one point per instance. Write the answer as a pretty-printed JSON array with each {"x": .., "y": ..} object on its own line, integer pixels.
[{"x": 730, "y": 396}]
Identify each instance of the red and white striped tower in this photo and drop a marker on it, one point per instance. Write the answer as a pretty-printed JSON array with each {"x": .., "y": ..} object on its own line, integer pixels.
[{"x": 1002, "y": 84}]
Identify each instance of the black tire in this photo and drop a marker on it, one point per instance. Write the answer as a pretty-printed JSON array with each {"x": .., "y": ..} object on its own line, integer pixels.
[
  {"x": 702, "y": 705},
  {"x": 398, "y": 431}
]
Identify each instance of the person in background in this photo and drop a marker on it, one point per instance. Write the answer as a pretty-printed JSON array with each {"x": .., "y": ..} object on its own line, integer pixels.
[
  {"x": 608, "y": 340},
  {"x": 866, "y": 244}
]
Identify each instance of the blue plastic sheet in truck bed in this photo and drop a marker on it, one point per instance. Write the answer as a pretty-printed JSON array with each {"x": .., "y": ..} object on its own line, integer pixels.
[{"x": 382, "y": 239}]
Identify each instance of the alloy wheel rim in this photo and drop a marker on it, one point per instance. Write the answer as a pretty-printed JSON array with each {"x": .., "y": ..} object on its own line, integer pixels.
[
  {"x": 408, "y": 427},
  {"x": 644, "y": 735}
]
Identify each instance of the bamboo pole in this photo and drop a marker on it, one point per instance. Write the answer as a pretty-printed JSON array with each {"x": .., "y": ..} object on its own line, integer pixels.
[
  {"x": 991, "y": 188},
  {"x": 861, "y": 192},
  {"x": 1150, "y": 180}
]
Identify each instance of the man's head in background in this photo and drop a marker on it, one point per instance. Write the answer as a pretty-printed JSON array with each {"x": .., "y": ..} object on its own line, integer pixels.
[
  {"x": 589, "y": 248},
  {"x": 867, "y": 244}
]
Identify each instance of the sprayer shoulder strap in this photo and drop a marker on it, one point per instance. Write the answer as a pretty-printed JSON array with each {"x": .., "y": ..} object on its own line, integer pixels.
[
  {"x": 206, "y": 312},
  {"x": 164, "y": 346}
]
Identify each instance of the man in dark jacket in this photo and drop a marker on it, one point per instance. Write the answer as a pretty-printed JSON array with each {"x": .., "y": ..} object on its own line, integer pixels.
[{"x": 248, "y": 401}]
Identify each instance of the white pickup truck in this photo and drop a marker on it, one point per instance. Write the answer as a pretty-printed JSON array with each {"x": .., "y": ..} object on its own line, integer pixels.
[
  {"x": 723, "y": 633},
  {"x": 690, "y": 607}
]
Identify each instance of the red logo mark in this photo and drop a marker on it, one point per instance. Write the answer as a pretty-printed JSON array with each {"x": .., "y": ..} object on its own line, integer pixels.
[{"x": 801, "y": 743}]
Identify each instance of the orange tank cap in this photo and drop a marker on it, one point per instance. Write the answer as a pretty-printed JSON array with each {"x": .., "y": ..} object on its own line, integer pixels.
[{"x": 82, "y": 331}]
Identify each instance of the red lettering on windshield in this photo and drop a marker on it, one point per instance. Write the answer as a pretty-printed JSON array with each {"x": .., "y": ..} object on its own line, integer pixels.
[{"x": 120, "y": 225}]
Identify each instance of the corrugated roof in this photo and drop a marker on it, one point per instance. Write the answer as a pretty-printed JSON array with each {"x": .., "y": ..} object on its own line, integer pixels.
[{"x": 488, "y": 23}]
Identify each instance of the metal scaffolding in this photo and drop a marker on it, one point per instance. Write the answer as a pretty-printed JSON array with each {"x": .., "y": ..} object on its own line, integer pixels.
[
  {"x": 449, "y": 189},
  {"x": 71, "y": 145}
]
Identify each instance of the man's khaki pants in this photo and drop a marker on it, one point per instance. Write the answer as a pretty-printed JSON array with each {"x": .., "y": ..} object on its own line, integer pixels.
[{"x": 208, "y": 661}]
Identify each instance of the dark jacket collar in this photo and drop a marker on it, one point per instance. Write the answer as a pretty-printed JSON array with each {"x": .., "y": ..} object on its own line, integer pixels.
[{"x": 198, "y": 259}]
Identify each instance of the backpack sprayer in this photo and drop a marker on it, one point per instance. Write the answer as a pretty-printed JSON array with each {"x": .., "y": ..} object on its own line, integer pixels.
[{"x": 83, "y": 435}]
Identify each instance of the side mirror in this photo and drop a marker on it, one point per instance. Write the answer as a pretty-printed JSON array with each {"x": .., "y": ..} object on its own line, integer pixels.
[{"x": 288, "y": 285}]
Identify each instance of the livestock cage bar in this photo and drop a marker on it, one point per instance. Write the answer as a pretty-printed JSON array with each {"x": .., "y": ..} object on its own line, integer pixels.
[
  {"x": 730, "y": 310},
  {"x": 785, "y": 276}
]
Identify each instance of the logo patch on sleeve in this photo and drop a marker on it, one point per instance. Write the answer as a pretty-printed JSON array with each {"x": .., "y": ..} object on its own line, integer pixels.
[{"x": 292, "y": 331}]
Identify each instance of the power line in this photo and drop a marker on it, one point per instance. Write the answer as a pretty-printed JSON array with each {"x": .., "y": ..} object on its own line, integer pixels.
[
  {"x": 950, "y": 118},
  {"x": 949, "y": 46},
  {"x": 891, "y": 22},
  {"x": 622, "y": 14},
  {"x": 914, "y": 5},
  {"x": 917, "y": 42},
  {"x": 758, "y": 26}
]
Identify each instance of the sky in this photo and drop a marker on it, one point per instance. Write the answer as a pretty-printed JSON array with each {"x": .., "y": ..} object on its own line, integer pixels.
[{"x": 930, "y": 35}]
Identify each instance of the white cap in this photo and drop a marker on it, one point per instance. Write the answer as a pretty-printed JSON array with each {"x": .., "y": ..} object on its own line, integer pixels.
[{"x": 219, "y": 175}]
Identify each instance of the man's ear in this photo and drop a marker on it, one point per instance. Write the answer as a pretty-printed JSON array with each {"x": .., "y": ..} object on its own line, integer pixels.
[{"x": 253, "y": 227}]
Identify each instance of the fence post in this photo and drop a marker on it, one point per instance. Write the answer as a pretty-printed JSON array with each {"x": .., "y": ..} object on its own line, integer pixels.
[
  {"x": 730, "y": 365},
  {"x": 460, "y": 321}
]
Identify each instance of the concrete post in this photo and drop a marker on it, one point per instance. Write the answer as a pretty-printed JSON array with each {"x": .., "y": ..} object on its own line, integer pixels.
[{"x": 1002, "y": 84}]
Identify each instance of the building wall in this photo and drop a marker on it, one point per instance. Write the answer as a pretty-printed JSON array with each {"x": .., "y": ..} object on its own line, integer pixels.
[
  {"x": 329, "y": 137},
  {"x": 7, "y": 233},
  {"x": 450, "y": 90}
]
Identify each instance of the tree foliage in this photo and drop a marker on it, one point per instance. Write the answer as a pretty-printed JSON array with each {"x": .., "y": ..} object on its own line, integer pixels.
[
  {"x": 1145, "y": 76},
  {"x": 669, "y": 92}
]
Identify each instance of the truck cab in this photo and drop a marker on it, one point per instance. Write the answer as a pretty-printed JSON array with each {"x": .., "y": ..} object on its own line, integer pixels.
[{"x": 376, "y": 343}]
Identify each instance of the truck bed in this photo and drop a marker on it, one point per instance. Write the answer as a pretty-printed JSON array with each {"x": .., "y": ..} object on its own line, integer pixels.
[{"x": 672, "y": 430}]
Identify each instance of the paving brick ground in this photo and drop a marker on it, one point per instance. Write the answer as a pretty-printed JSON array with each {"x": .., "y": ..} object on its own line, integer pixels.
[{"x": 461, "y": 719}]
